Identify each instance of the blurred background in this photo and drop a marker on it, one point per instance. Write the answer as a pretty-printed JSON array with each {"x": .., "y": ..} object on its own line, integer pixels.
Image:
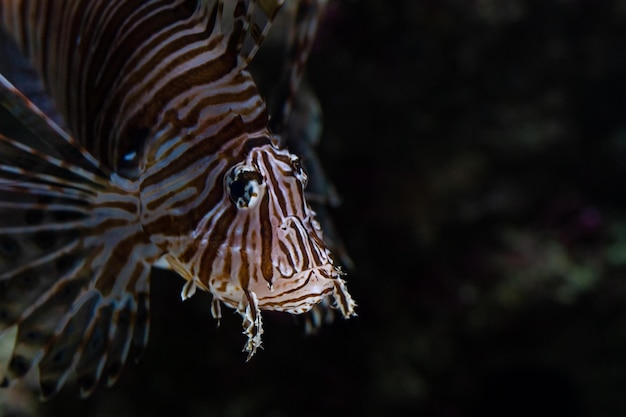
[{"x": 479, "y": 148}]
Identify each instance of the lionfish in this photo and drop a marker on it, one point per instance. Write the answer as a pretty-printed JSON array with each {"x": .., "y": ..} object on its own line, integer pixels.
[{"x": 156, "y": 152}]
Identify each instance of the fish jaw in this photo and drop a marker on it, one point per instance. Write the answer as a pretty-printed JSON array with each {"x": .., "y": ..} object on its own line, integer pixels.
[{"x": 295, "y": 295}]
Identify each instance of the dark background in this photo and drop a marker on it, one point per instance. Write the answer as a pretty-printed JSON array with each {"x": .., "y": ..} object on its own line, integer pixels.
[{"x": 479, "y": 148}]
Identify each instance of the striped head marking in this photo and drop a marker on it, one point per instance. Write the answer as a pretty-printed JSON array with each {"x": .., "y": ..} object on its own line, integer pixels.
[
  {"x": 274, "y": 247},
  {"x": 256, "y": 245},
  {"x": 259, "y": 246}
]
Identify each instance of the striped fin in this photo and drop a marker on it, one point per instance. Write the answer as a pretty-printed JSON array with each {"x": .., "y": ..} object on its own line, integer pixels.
[
  {"x": 74, "y": 262},
  {"x": 116, "y": 69},
  {"x": 301, "y": 35},
  {"x": 253, "y": 20},
  {"x": 19, "y": 71}
]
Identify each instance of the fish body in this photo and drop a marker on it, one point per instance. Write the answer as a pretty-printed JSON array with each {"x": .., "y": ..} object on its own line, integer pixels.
[{"x": 157, "y": 151}]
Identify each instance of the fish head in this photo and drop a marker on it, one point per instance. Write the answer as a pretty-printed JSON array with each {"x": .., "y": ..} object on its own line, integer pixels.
[{"x": 273, "y": 246}]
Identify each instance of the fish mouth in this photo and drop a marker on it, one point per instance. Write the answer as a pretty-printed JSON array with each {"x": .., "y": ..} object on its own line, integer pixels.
[{"x": 300, "y": 292}]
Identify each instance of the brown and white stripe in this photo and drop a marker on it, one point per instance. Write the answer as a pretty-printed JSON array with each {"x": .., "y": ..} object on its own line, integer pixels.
[{"x": 168, "y": 156}]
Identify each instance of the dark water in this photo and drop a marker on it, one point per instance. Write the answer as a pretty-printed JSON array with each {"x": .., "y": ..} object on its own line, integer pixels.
[{"x": 480, "y": 150}]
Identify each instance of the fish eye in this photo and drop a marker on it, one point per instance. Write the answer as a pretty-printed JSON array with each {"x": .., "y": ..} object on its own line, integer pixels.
[
  {"x": 131, "y": 151},
  {"x": 298, "y": 170},
  {"x": 244, "y": 186}
]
